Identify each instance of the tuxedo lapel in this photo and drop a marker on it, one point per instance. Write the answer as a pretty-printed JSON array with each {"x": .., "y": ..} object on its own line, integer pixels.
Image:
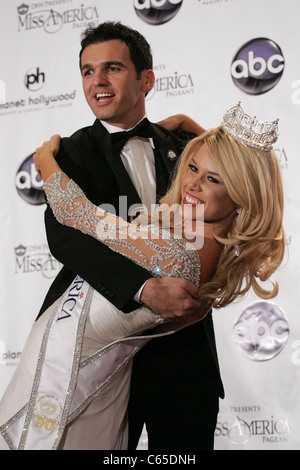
[
  {"x": 166, "y": 157},
  {"x": 105, "y": 149},
  {"x": 167, "y": 148}
]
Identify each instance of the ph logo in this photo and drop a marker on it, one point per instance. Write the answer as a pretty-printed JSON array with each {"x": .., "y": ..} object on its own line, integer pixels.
[
  {"x": 258, "y": 66},
  {"x": 157, "y": 12},
  {"x": 34, "y": 79}
]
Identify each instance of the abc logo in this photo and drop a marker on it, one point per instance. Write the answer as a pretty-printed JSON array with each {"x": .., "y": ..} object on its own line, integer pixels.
[
  {"x": 156, "y": 11},
  {"x": 258, "y": 66},
  {"x": 28, "y": 183},
  {"x": 261, "y": 331}
]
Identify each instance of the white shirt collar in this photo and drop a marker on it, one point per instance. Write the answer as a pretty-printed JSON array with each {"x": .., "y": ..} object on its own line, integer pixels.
[{"x": 111, "y": 129}]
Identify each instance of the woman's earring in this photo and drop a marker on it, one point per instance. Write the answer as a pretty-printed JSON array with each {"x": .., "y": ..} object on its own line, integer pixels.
[
  {"x": 238, "y": 210},
  {"x": 237, "y": 251}
]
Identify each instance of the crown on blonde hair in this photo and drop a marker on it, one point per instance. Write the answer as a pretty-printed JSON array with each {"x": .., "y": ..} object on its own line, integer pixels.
[{"x": 250, "y": 130}]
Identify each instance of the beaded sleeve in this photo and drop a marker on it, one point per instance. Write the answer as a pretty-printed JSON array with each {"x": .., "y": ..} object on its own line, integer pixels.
[{"x": 154, "y": 249}]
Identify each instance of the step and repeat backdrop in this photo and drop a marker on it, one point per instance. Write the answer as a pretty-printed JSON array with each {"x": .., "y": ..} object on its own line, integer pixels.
[{"x": 208, "y": 55}]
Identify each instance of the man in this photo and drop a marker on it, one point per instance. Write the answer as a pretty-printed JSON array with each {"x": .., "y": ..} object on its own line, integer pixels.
[{"x": 175, "y": 382}]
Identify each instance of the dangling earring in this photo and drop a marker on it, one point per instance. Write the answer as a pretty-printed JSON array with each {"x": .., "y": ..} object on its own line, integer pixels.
[
  {"x": 238, "y": 210},
  {"x": 237, "y": 251}
]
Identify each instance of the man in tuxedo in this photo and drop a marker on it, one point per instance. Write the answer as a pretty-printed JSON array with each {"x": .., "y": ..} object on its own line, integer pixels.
[{"x": 175, "y": 381}]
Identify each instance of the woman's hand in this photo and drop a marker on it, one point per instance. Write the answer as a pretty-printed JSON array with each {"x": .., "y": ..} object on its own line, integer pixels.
[
  {"x": 44, "y": 158},
  {"x": 181, "y": 123}
]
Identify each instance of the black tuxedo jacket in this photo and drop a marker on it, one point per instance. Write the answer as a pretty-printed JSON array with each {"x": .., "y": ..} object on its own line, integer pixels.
[{"x": 87, "y": 157}]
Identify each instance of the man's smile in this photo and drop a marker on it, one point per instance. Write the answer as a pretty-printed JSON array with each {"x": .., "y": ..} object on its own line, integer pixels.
[{"x": 103, "y": 97}]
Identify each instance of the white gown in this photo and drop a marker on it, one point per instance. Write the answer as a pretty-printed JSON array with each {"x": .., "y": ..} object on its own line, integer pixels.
[{"x": 71, "y": 387}]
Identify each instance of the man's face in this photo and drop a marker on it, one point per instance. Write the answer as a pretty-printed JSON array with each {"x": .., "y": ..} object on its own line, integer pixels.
[{"x": 110, "y": 83}]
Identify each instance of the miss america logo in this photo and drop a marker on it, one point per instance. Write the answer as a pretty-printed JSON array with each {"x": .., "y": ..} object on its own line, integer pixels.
[
  {"x": 52, "y": 21},
  {"x": 31, "y": 259}
]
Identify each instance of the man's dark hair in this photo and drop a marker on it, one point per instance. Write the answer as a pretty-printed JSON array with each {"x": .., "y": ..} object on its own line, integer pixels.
[{"x": 139, "y": 48}]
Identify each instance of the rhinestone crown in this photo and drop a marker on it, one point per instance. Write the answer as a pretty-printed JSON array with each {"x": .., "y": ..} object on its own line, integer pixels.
[{"x": 249, "y": 130}]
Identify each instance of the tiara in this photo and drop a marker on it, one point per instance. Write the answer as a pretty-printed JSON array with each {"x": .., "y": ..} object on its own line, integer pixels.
[{"x": 249, "y": 130}]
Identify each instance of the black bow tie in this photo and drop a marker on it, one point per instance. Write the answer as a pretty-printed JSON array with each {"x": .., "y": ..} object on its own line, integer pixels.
[{"x": 119, "y": 139}]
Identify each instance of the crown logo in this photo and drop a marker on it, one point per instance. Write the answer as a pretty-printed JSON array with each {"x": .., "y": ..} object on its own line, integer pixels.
[
  {"x": 23, "y": 9},
  {"x": 20, "y": 250},
  {"x": 48, "y": 407},
  {"x": 249, "y": 130}
]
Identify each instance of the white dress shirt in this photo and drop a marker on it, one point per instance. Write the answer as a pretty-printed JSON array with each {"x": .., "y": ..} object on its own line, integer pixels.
[{"x": 138, "y": 159}]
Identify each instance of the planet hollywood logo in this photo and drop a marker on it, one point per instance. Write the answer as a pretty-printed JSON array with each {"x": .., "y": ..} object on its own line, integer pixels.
[
  {"x": 34, "y": 79},
  {"x": 156, "y": 12},
  {"x": 52, "y": 21},
  {"x": 38, "y": 102},
  {"x": 8, "y": 357},
  {"x": 258, "y": 66},
  {"x": 2, "y": 91},
  {"x": 36, "y": 259},
  {"x": 28, "y": 183},
  {"x": 261, "y": 331}
]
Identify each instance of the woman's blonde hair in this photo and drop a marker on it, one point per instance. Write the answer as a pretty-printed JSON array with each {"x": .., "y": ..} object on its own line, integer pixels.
[{"x": 255, "y": 245}]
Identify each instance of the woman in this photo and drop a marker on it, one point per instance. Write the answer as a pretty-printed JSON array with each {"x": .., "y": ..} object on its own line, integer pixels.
[{"x": 70, "y": 389}]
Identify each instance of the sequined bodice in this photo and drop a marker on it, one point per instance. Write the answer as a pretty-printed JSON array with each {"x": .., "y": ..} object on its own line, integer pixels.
[{"x": 154, "y": 249}]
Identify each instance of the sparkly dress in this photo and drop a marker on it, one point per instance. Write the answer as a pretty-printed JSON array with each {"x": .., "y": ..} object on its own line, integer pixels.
[{"x": 71, "y": 387}]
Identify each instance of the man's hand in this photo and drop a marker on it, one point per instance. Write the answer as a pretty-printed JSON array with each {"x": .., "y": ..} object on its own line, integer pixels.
[{"x": 170, "y": 297}]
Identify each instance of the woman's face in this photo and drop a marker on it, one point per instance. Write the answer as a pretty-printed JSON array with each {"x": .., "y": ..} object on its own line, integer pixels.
[{"x": 203, "y": 188}]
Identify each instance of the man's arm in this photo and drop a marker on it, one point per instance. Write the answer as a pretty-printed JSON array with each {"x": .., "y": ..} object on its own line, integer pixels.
[{"x": 181, "y": 123}]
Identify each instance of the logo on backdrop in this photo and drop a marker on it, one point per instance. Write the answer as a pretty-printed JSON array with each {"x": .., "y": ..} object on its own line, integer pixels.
[
  {"x": 52, "y": 21},
  {"x": 171, "y": 84},
  {"x": 2, "y": 91},
  {"x": 156, "y": 12},
  {"x": 261, "y": 331},
  {"x": 8, "y": 357},
  {"x": 258, "y": 66},
  {"x": 35, "y": 259},
  {"x": 28, "y": 183},
  {"x": 282, "y": 158},
  {"x": 34, "y": 79},
  {"x": 295, "y": 94},
  {"x": 240, "y": 430}
]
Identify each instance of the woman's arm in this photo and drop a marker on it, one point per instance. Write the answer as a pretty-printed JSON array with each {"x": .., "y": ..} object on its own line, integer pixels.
[
  {"x": 109, "y": 273},
  {"x": 147, "y": 246}
]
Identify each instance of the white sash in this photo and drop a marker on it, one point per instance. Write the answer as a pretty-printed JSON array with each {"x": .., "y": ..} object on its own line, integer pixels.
[
  {"x": 50, "y": 398},
  {"x": 63, "y": 386}
]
